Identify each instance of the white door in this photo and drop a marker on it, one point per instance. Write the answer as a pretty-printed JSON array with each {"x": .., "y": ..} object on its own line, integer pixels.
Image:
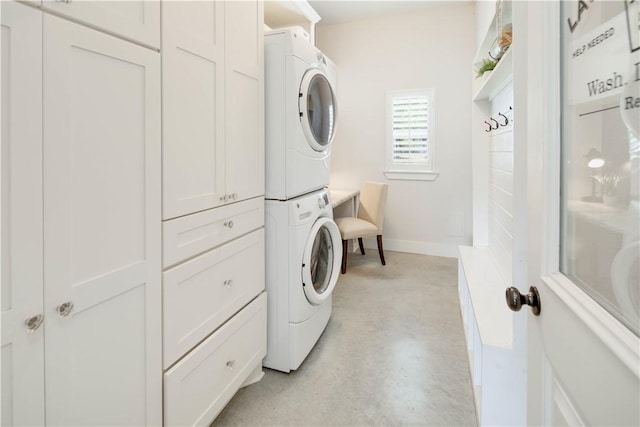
[
  {"x": 102, "y": 299},
  {"x": 244, "y": 99},
  {"x": 318, "y": 110},
  {"x": 321, "y": 260},
  {"x": 193, "y": 107},
  {"x": 137, "y": 20},
  {"x": 578, "y": 238},
  {"x": 22, "y": 344}
]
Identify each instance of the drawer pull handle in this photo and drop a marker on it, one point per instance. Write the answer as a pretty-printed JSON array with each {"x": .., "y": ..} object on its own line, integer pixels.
[
  {"x": 231, "y": 364},
  {"x": 64, "y": 309},
  {"x": 228, "y": 224},
  {"x": 33, "y": 323},
  {"x": 228, "y": 283}
]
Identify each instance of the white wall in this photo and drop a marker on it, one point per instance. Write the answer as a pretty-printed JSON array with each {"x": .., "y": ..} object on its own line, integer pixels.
[{"x": 428, "y": 48}]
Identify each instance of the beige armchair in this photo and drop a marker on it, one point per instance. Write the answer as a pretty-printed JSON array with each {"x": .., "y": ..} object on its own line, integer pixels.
[{"x": 373, "y": 198}]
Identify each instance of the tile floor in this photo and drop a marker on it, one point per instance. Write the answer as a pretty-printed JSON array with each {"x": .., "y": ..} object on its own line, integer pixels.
[{"x": 392, "y": 354}]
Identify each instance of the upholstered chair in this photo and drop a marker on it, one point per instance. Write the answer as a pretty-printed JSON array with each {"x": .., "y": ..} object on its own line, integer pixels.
[{"x": 368, "y": 223}]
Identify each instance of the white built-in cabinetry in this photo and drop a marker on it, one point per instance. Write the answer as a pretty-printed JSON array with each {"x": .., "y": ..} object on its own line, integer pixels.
[
  {"x": 213, "y": 149},
  {"x": 214, "y": 305},
  {"x": 486, "y": 269},
  {"x": 106, "y": 308},
  {"x": 81, "y": 224}
]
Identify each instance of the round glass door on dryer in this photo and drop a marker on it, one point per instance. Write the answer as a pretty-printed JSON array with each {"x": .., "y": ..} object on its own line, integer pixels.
[
  {"x": 318, "y": 110},
  {"x": 321, "y": 261}
]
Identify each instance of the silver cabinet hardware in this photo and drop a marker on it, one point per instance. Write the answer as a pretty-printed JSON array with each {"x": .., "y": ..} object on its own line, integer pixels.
[
  {"x": 33, "y": 323},
  {"x": 231, "y": 364},
  {"x": 223, "y": 198},
  {"x": 228, "y": 283},
  {"x": 228, "y": 224},
  {"x": 233, "y": 196},
  {"x": 64, "y": 309}
]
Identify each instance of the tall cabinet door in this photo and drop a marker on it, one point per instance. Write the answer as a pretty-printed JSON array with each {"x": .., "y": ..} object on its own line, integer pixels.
[
  {"x": 193, "y": 106},
  {"x": 244, "y": 98},
  {"x": 102, "y": 297},
  {"x": 22, "y": 344}
]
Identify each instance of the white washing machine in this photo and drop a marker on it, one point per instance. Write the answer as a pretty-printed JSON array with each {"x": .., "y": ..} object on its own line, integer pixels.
[
  {"x": 303, "y": 255},
  {"x": 300, "y": 115}
]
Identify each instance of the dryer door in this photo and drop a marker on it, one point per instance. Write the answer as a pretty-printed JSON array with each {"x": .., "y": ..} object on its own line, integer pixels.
[
  {"x": 321, "y": 260},
  {"x": 318, "y": 112}
]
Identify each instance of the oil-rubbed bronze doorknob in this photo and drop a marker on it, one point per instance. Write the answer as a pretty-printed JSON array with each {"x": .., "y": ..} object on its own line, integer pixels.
[{"x": 515, "y": 300}]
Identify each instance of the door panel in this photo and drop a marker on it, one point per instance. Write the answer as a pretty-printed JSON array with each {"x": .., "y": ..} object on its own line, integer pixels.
[
  {"x": 193, "y": 107},
  {"x": 101, "y": 227},
  {"x": 22, "y": 288},
  {"x": 244, "y": 99},
  {"x": 582, "y": 361},
  {"x": 135, "y": 20}
]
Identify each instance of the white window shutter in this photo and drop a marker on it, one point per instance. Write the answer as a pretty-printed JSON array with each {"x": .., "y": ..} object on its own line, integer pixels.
[{"x": 410, "y": 130}]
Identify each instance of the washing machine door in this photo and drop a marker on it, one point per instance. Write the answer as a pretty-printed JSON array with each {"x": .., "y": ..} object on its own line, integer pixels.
[
  {"x": 318, "y": 111},
  {"x": 321, "y": 260}
]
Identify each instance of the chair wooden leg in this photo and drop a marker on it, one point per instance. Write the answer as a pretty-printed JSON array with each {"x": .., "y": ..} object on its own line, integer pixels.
[
  {"x": 361, "y": 246},
  {"x": 380, "y": 250},
  {"x": 344, "y": 256}
]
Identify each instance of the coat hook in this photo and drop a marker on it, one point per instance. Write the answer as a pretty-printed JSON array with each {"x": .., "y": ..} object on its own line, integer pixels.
[
  {"x": 497, "y": 124},
  {"x": 490, "y": 127},
  {"x": 506, "y": 119}
]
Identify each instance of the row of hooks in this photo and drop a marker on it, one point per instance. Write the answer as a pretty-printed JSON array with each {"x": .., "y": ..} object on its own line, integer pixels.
[{"x": 504, "y": 120}]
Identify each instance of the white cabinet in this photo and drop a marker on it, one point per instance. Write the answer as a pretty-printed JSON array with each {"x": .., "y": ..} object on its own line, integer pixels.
[
  {"x": 22, "y": 281},
  {"x": 81, "y": 190},
  {"x": 198, "y": 387},
  {"x": 213, "y": 142},
  {"x": 193, "y": 106},
  {"x": 214, "y": 305},
  {"x": 102, "y": 243},
  {"x": 134, "y": 20},
  {"x": 244, "y": 99},
  {"x": 204, "y": 292}
]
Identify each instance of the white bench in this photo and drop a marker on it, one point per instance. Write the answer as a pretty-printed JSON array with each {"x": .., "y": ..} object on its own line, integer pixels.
[{"x": 488, "y": 325}]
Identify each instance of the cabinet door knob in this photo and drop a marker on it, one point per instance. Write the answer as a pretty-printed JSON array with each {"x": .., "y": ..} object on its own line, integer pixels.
[
  {"x": 228, "y": 224},
  {"x": 231, "y": 364},
  {"x": 228, "y": 283},
  {"x": 223, "y": 198},
  {"x": 234, "y": 196},
  {"x": 33, "y": 323},
  {"x": 64, "y": 309}
]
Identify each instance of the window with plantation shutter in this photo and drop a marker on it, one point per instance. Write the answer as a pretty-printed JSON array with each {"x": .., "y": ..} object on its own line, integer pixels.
[{"x": 410, "y": 142}]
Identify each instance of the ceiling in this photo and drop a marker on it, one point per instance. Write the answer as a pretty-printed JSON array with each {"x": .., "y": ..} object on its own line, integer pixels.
[{"x": 337, "y": 12}]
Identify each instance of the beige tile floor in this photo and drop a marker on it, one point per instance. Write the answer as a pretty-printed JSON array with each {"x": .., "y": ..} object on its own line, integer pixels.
[{"x": 392, "y": 354}]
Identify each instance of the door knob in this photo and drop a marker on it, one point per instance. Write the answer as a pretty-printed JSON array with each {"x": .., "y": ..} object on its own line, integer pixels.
[{"x": 515, "y": 300}]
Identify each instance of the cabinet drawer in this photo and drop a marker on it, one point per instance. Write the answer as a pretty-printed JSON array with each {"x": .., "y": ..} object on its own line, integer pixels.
[
  {"x": 138, "y": 21},
  {"x": 201, "y": 294},
  {"x": 198, "y": 387},
  {"x": 194, "y": 234}
]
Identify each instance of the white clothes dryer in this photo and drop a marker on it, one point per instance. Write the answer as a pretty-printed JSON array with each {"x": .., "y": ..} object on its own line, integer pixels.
[
  {"x": 303, "y": 254},
  {"x": 300, "y": 115}
]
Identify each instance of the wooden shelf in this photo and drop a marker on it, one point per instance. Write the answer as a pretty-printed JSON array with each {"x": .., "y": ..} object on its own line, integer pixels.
[{"x": 499, "y": 78}]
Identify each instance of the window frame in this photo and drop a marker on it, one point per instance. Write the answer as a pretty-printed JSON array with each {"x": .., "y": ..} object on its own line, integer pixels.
[{"x": 410, "y": 171}]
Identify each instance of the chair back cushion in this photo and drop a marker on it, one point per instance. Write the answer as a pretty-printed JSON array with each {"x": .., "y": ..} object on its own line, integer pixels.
[{"x": 373, "y": 199}]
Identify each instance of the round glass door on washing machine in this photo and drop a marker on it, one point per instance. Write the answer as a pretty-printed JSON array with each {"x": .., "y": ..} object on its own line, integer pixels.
[
  {"x": 321, "y": 260},
  {"x": 318, "y": 112}
]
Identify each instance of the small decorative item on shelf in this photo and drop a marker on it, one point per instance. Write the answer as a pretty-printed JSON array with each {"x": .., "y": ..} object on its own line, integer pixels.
[
  {"x": 483, "y": 70},
  {"x": 503, "y": 30}
]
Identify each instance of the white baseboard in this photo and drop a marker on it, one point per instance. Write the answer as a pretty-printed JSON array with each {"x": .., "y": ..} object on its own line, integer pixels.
[{"x": 449, "y": 250}]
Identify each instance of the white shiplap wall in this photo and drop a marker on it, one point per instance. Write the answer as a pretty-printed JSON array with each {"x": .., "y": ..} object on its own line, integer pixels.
[{"x": 501, "y": 184}]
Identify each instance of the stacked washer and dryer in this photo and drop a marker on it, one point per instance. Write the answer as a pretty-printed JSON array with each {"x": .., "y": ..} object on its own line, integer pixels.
[{"x": 303, "y": 244}]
